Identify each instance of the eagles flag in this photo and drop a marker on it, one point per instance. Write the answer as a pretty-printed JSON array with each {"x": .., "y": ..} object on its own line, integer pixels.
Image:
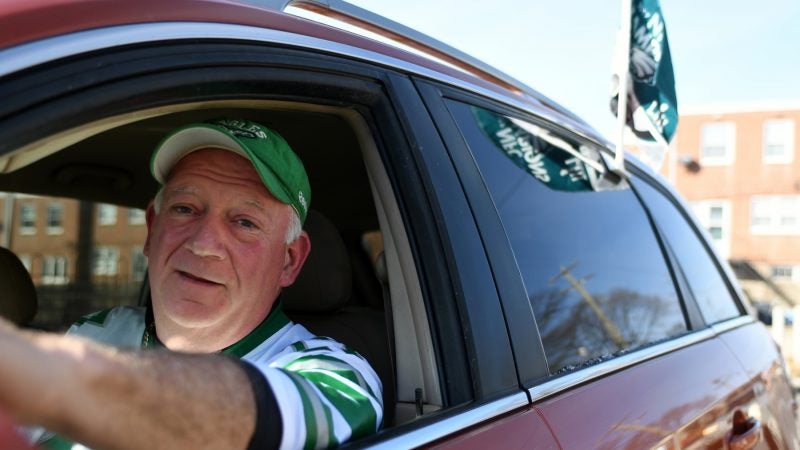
[{"x": 652, "y": 103}]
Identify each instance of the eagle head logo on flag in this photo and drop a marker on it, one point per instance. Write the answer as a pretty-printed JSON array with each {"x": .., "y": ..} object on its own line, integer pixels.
[{"x": 652, "y": 112}]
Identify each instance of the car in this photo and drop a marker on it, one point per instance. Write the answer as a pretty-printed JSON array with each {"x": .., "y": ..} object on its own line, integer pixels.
[{"x": 470, "y": 238}]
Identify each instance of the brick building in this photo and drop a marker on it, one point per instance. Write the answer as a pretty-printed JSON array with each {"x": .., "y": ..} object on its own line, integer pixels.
[
  {"x": 739, "y": 168},
  {"x": 44, "y": 233},
  {"x": 82, "y": 257}
]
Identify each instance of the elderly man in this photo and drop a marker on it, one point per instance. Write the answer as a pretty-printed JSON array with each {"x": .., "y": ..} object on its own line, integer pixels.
[{"x": 224, "y": 237}]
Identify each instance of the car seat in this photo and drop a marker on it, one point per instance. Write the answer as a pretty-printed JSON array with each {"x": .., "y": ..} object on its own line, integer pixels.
[
  {"x": 18, "y": 301},
  {"x": 320, "y": 300}
]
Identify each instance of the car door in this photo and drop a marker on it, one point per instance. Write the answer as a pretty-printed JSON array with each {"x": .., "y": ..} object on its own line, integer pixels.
[
  {"x": 763, "y": 410},
  {"x": 629, "y": 361}
]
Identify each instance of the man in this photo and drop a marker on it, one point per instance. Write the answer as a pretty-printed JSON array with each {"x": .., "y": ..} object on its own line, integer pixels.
[{"x": 224, "y": 237}]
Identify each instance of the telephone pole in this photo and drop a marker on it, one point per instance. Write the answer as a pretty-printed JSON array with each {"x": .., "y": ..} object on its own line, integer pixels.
[{"x": 610, "y": 328}]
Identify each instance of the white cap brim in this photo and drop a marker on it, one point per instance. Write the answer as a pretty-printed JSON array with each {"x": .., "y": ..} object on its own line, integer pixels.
[{"x": 186, "y": 141}]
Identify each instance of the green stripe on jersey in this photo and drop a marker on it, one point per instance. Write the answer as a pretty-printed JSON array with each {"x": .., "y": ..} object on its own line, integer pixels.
[
  {"x": 299, "y": 346},
  {"x": 330, "y": 364},
  {"x": 354, "y": 406},
  {"x": 274, "y": 321},
  {"x": 317, "y": 422},
  {"x": 98, "y": 318}
]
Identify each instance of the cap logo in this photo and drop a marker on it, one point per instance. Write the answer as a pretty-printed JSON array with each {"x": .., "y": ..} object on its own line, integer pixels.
[
  {"x": 240, "y": 128},
  {"x": 302, "y": 200}
]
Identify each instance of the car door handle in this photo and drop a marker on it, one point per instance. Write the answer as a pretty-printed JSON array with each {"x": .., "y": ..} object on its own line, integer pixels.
[{"x": 746, "y": 433}]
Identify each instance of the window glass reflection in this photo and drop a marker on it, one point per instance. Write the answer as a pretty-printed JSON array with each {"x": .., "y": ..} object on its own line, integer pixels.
[
  {"x": 705, "y": 281},
  {"x": 592, "y": 267}
]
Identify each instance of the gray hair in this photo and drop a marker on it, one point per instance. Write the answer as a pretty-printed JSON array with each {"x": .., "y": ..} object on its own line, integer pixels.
[{"x": 293, "y": 230}]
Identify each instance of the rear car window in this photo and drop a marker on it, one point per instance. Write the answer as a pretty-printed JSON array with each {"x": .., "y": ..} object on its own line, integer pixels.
[
  {"x": 706, "y": 283},
  {"x": 592, "y": 266}
]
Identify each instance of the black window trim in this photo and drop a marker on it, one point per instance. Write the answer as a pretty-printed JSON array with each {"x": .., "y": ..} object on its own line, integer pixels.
[
  {"x": 523, "y": 331},
  {"x": 722, "y": 267},
  {"x": 479, "y": 308}
]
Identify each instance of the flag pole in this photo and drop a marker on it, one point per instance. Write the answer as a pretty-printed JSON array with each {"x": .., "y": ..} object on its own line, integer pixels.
[{"x": 623, "y": 77}]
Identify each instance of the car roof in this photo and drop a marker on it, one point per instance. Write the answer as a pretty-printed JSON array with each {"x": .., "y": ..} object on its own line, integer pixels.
[{"x": 35, "y": 20}]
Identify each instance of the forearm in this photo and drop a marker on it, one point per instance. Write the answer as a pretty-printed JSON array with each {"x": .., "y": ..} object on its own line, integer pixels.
[{"x": 106, "y": 398}]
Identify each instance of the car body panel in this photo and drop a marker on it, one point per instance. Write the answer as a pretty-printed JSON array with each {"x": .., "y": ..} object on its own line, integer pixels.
[
  {"x": 664, "y": 401},
  {"x": 36, "y": 20},
  {"x": 519, "y": 429},
  {"x": 771, "y": 394}
]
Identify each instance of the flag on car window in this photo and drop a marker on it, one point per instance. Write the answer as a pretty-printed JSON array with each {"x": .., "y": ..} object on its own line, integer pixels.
[
  {"x": 558, "y": 163},
  {"x": 652, "y": 112}
]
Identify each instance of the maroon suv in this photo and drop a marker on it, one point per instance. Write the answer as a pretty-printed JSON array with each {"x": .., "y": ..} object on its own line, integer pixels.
[{"x": 510, "y": 290}]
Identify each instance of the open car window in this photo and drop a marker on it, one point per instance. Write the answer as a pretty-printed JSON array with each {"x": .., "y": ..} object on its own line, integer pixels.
[{"x": 84, "y": 251}]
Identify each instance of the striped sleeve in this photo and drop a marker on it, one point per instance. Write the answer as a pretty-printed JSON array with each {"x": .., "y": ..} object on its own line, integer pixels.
[{"x": 326, "y": 394}]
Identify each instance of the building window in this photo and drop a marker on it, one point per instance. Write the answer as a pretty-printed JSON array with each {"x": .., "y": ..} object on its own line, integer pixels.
[
  {"x": 106, "y": 214},
  {"x": 136, "y": 216},
  {"x": 138, "y": 264},
  {"x": 55, "y": 218},
  {"x": 776, "y": 214},
  {"x": 779, "y": 141},
  {"x": 786, "y": 272},
  {"x": 27, "y": 219},
  {"x": 54, "y": 270},
  {"x": 715, "y": 216},
  {"x": 106, "y": 261},
  {"x": 717, "y": 143}
]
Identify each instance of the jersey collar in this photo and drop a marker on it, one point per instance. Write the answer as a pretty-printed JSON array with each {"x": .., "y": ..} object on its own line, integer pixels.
[{"x": 274, "y": 321}]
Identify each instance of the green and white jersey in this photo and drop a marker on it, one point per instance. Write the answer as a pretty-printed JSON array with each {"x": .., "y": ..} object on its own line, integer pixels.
[{"x": 326, "y": 393}]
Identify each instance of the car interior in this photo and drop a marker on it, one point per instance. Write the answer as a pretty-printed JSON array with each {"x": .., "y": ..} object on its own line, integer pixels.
[{"x": 360, "y": 284}]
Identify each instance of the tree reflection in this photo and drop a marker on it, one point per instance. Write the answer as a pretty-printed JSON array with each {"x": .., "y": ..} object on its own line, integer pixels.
[{"x": 575, "y": 333}]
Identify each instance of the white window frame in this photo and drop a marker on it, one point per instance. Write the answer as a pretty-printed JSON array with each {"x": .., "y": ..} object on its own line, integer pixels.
[
  {"x": 786, "y": 140},
  {"x": 727, "y": 139},
  {"x": 702, "y": 210},
  {"x": 105, "y": 261},
  {"x": 136, "y": 252},
  {"x": 23, "y": 229},
  {"x": 106, "y": 214},
  {"x": 59, "y": 229},
  {"x": 54, "y": 270},
  {"x": 774, "y": 210},
  {"x": 136, "y": 216}
]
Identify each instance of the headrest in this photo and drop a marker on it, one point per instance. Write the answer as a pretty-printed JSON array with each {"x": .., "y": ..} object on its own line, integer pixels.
[
  {"x": 18, "y": 302},
  {"x": 325, "y": 282}
]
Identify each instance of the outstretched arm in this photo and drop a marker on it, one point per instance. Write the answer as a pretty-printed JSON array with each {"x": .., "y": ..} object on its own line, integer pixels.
[{"x": 107, "y": 398}]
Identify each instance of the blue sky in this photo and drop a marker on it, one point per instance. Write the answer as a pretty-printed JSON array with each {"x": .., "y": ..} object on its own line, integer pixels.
[{"x": 724, "y": 51}]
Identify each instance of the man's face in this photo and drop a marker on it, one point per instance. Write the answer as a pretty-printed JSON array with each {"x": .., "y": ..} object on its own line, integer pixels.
[{"x": 217, "y": 252}]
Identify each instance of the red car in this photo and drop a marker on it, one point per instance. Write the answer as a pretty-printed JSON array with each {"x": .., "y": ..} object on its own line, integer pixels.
[{"x": 510, "y": 290}]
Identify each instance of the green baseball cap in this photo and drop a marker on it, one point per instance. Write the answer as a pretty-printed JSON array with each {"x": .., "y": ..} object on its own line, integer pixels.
[{"x": 278, "y": 166}]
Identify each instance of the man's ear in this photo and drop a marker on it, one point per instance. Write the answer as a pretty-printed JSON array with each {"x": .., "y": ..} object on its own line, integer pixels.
[
  {"x": 149, "y": 217},
  {"x": 296, "y": 254}
]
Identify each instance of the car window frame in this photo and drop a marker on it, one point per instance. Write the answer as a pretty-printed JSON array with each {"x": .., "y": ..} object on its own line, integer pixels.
[
  {"x": 523, "y": 331},
  {"x": 461, "y": 314}
]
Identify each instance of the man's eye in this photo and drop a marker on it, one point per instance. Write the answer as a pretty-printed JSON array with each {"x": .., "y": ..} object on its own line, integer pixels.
[
  {"x": 181, "y": 209},
  {"x": 245, "y": 223}
]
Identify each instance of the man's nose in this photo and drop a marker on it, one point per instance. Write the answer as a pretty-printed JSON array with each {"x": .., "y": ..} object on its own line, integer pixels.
[{"x": 208, "y": 238}]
